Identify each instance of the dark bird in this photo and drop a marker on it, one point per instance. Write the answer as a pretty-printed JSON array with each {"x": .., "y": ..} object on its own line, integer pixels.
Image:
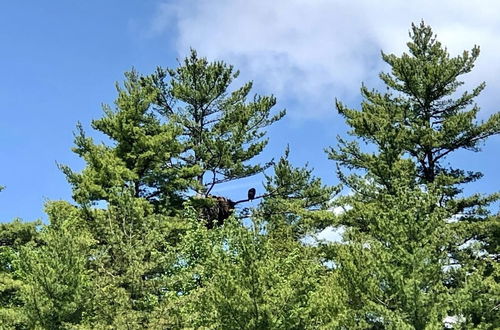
[{"x": 251, "y": 194}]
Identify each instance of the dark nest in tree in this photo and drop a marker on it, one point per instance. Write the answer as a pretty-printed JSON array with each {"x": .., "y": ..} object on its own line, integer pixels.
[{"x": 214, "y": 209}]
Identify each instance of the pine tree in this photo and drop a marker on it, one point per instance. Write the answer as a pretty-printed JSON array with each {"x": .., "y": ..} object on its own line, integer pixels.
[
  {"x": 166, "y": 135},
  {"x": 238, "y": 277},
  {"x": 142, "y": 157},
  {"x": 55, "y": 274},
  {"x": 13, "y": 237},
  {"x": 109, "y": 272},
  {"x": 221, "y": 130},
  {"x": 406, "y": 209},
  {"x": 129, "y": 262},
  {"x": 415, "y": 249},
  {"x": 175, "y": 133},
  {"x": 296, "y": 203}
]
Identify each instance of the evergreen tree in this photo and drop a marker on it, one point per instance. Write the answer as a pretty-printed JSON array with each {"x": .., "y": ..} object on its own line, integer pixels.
[
  {"x": 406, "y": 208},
  {"x": 142, "y": 157},
  {"x": 167, "y": 135},
  {"x": 296, "y": 203},
  {"x": 13, "y": 237},
  {"x": 221, "y": 130},
  {"x": 173, "y": 131},
  {"x": 238, "y": 277},
  {"x": 108, "y": 272},
  {"x": 56, "y": 280},
  {"x": 129, "y": 263},
  {"x": 415, "y": 252},
  {"x": 395, "y": 269}
]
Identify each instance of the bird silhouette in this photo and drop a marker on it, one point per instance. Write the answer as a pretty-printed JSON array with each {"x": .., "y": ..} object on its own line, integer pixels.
[{"x": 251, "y": 194}]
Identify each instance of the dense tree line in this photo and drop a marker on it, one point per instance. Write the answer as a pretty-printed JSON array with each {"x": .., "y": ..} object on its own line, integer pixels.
[{"x": 146, "y": 244}]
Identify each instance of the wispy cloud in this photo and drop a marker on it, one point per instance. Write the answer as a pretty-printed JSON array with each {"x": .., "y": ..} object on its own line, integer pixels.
[{"x": 310, "y": 51}]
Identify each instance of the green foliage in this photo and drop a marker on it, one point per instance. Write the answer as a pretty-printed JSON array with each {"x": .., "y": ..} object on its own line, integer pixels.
[
  {"x": 394, "y": 268},
  {"x": 236, "y": 277},
  {"x": 142, "y": 157},
  {"x": 171, "y": 130},
  {"x": 297, "y": 202},
  {"x": 407, "y": 228},
  {"x": 137, "y": 252},
  {"x": 221, "y": 130},
  {"x": 129, "y": 261},
  {"x": 13, "y": 236},
  {"x": 54, "y": 273},
  {"x": 434, "y": 123}
]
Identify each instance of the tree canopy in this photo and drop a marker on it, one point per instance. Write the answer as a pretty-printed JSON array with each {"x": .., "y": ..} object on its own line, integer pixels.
[{"x": 145, "y": 244}]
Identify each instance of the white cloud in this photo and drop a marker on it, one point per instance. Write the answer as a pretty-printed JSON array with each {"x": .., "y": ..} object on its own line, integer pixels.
[
  {"x": 331, "y": 234},
  {"x": 311, "y": 51}
]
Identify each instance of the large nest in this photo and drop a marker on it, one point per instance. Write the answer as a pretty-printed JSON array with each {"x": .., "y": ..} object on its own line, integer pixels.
[{"x": 215, "y": 210}]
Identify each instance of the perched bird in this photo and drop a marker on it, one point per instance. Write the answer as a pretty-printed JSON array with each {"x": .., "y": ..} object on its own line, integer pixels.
[{"x": 251, "y": 194}]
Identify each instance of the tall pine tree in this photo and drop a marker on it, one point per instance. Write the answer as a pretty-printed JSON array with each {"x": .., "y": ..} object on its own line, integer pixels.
[
  {"x": 406, "y": 215},
  {"x": 174, "y": 131},
  {"x": 141, "y": 158},
  {"x": 221, "y": 130}
]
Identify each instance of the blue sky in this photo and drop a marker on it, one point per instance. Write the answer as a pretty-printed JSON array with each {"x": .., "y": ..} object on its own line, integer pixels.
[{"x": 60, "y": 60}]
